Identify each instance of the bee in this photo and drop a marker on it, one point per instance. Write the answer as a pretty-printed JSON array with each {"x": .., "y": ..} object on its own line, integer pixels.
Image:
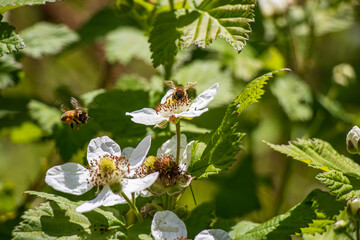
[
  {"x": 77, "y": 116},
  {"x": 179, "y": 92}
]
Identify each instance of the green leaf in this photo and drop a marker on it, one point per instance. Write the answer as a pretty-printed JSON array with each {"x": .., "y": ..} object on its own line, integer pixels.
[
  {"x": 140, "y": 231},
  {"x": 9, "y": 40},
  {"x": 223, "y": 144},
  {"x": 344, "y": 187},
  {"x": 47, "y": 117},
  {"x": 125, "y": 44},
  {"x": 47, "y": 39},
  {"x": 6, "y": 5},
  {"x": 199, "y": 219},
  {"x": 335, "y": 109},
  {"x": 163, "y": 39},
  {"x": 242, "y": 227},
  {"x": 294, "y": 96},
  {"x": 58, "y": 219},
  {"x": 26, "y": 133},
  {"x": 10, "y": 71},
  {"x": 318, "y": 206},
  {"x": 318, "y": 154},
  {"x": 218, "y": 18}
]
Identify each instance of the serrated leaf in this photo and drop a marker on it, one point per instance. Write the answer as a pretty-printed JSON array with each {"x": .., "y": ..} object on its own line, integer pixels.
[
  {"x": 224, "y": 143},
  {"x": 318, "y": 206},
  {"x": 294, "y": 96},
  {"x": 220, "y": 18},
  {"x": 47, "y": 117},
  {"x": 47, "y": 39},
  {"x": 200, "y": 218},
  {"x": 163, "y": 39},
  {"x": 58, "y": 219},
  {"x": 318, "y": 154},
  {"x": 9, "y": 40},
  {"x": 6, "y": 5},
  {"x": 125, "y": 44},
  {"x": 10, "y": 71},
  {"x": 344, "y": 187}
]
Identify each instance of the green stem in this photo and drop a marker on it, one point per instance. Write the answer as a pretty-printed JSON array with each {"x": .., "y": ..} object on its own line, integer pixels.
[
  {"x": 171, "y": 3},
  {"x": 184, "y": 4},
  {"x": 133, "y": 207},
  {"x": 166, "y": 201},
  {"x": 193, "y": 195},
  {"x": 357, "y": 230},
  {"x": 178, "y": 142}
]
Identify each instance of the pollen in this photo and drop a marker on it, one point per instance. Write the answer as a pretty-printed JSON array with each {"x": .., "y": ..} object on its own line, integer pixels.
[
  {"x": 172, "y": 107},
  {"x": 106, "y": 166}
]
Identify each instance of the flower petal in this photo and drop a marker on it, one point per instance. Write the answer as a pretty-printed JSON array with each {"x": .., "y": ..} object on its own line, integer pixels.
[
  {"x": 126, "y": 152},
  {"x": 204, "y": 98},
  {"x": 138, "y": 156},
  {"x": 101, "y": 146},
  {"x": 169, "y": 147},
  {"x": 105, "y": 198},
  {"x": 138, "y": 184},
  {"x": 213, "y": 234},
  {"x": 191, "y": 113},
  {"x": 166, "y": 225},
  {"x": 146, "y": 116},
  {"x": 185, "y": 157},
  {"x": 69, "y": 178},
  {"x": 168, "y": 93}
]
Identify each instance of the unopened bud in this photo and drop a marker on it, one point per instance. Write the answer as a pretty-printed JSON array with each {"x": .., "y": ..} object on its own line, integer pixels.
[
  {"x": 339, "y": 226},
  {"x": 353, "y": 208},
  {"x": 353, "y": 140},
  {"x": 115, "y": 187}
]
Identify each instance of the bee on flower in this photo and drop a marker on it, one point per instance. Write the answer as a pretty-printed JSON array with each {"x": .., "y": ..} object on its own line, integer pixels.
[{"x": 174, "y": 106}]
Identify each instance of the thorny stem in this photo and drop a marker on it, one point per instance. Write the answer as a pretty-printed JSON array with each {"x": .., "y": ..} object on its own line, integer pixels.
[
  {"x": 193, "y": 195},
  {"x": 133, "y": 207},
  {"x": 178, "y": 142}
]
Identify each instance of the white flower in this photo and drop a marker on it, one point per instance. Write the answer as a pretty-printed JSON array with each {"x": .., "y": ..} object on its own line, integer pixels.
[
  {"x": 272, "y": 7},
  {"x": 173, "y": 111},
  {"x": 166, "y": 225},
  {"x": 353, "y": 140},
  {"x": 107, "y": 168}
]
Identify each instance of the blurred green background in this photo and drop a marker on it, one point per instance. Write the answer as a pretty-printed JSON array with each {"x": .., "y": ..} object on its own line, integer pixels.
[{"x": 103, "y": 59}]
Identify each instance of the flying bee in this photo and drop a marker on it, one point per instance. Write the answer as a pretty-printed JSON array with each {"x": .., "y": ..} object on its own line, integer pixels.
[
  {"x": 77, "y": 116},
  {"x": 179, "y": 92}
]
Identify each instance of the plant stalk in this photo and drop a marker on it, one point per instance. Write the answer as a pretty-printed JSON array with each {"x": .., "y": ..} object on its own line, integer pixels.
[
  {"x": 357, "y": 230},
  {"x": 193, "y": 195},
  {"x": 133, "y": 207},
  {"x": 171, "y": 3},
  {"x": 178, "y": 142}
]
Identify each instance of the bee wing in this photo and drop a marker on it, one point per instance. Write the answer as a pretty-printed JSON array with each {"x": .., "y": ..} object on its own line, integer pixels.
[
  {"x": 170, "y": 84},
  {"x": 74, "y": 102},
  {"x": 63, "y": 108},
  {"x": 190, "y": 85}
]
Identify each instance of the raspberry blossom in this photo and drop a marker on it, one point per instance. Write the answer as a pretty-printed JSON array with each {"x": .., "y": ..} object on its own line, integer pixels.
[
  {"x": 108, "y": 170},
  {"x": 166, "y": 225},
  {"x": 170, "y": 110}
]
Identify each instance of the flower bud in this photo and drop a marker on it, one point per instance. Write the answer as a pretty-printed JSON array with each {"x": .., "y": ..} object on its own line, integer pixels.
[
  {"x": 353, "y": 140},
  {"x": 339, "y": 226},
  {"x": 353, "y": 208},
  {"x": 115, "y": 187}
]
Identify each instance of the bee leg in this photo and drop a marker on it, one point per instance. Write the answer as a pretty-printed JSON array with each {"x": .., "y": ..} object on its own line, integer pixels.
[{"x": 71, "y": 125}]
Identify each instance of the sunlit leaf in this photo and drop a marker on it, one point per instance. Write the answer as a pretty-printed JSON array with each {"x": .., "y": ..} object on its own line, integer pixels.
[
  {"x": 47, "y": 39},
  {"x": 26, "y": 133},
  {"x": 125, "y": 44},
  {"x": 344, "y": 187},
  {"x": 47, "y": 117},
  {"x": 9, "y": 40},
  {"x": 58, "y": 218},
  {"x": 223, "y": 144},
  {"x": 6, "y": 5},
  {"x": 318, "y": 206},
  {"x": 221, "y": 18},
  {"x": 10, "y": 71},
  {"x": 294, "y": 96}
]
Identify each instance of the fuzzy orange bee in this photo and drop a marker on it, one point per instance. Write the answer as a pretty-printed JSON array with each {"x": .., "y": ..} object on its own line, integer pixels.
[
  {"x": 77, "y": 116},
  {"x": 179, "y": 92}
]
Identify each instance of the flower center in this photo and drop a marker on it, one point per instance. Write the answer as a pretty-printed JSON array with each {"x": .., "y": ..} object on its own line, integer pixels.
[
  {"x": 171, "y": 107},
  {"x": 169, "y": 170},
  {"x": 108, "y": 170}
]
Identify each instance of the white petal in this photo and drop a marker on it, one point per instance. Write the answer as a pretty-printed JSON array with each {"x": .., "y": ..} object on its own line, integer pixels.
[
  {"x": 204, "y": 98},
  {"x": 186, "y": 157},
  {"x": 168, "y": 93},
  {"x": 213, "y": 234},
  {"x": 146, "y": 116},
  {"x": 169, "y": 147},
  {"x": 126, "y": 152},
  {"x": 138, "y": 156},
  {"x": 166, "y": 225},
  {"x": 138, "y": 184},
  {"x": 105, "y": 198},
  {"x": 101, "y": 146},
  {"x": 69, "y": 178},
  {"x": 191, "y": 113}
]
